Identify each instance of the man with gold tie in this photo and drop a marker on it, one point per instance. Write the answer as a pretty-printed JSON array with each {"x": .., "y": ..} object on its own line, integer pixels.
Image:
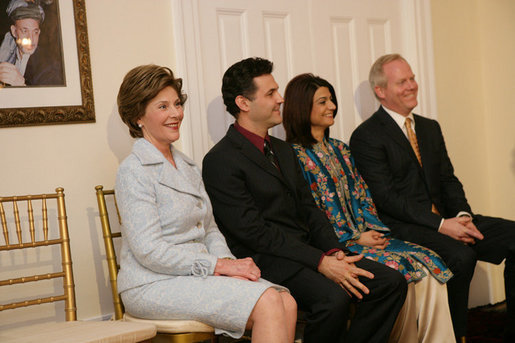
[{"x": 403, "y": 158}]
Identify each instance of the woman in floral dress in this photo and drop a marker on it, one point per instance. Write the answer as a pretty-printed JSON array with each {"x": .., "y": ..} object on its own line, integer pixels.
[{"x": 338, "y": 189}]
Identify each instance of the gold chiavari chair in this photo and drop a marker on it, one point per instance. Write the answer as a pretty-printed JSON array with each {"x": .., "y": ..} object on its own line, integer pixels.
[
  {"x": 176, "y": 331},
  {"x": 36, "y": 234}
]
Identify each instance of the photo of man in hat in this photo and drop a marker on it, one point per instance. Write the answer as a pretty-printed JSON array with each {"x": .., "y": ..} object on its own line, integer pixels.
[{"x": 25, "y": 59}]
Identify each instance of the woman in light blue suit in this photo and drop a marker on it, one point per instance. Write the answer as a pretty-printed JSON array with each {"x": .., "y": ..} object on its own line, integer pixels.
[{"x": 175, "y": 263}]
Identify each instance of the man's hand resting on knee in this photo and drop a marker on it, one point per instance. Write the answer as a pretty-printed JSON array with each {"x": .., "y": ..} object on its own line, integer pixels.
[
  {"x": 342, "y": 270},
  {"x": 461, "y": 229}
]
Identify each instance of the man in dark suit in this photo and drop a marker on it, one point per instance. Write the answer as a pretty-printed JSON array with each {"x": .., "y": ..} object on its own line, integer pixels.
[
  {"x": 403, "y": 158},
  {"x": 263, "y": 206}
]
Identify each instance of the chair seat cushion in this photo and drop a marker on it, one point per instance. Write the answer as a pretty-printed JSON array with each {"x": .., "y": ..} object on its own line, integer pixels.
[
  {"x": 80, "y": 332},
  {"x": 172, "y": 325}
]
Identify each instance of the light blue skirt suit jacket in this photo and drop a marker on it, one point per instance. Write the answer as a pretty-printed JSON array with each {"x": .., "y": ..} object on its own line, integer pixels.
[{"x": 171, "y": 244}]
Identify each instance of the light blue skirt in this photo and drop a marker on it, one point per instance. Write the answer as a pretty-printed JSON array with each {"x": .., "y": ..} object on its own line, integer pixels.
[{"x": 219, "y": 301}]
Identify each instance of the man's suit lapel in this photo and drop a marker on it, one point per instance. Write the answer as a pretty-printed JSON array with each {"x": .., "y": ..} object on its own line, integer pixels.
[
  {"x": 253, "y": 154},
  {"x": 283, "y": 154},
  {"x": 398, "y": 136},
  {"x": 395, "y": 132},
  {"x": 423, "y": 138}
]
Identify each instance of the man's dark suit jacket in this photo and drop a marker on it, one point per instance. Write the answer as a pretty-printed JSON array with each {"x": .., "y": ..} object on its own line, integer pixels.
[
  {"x": 402, "y": 190},
  {"x": 262, "y": 214},
  {"x": 270, "y": 215}
]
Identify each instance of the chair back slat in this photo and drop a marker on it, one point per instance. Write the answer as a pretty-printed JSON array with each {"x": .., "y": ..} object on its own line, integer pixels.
[
  {"x": 31, "y": 245},
  {"x": 112, "y": 264},
  {"x": 66, "y": 273},
  {"x": 4, "y": 224},
  {"x": 119, "y": 234},
  {"x": 17, "y": 221},
  {"x": 24, "y": 279},
  {"x": 30, "y": 212},
  {"x": 44, "y": 214},
  {"x": 32, "y": 302}
]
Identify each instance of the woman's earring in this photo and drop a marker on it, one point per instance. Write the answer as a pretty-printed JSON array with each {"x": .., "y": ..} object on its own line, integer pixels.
[{"x": 140, "y": 125}]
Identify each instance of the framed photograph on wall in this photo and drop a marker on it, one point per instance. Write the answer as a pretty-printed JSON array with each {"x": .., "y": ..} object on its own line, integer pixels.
[{"x": 45, "y": 70}]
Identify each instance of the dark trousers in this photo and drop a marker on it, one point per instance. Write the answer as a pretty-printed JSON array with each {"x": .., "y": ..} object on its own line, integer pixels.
[
  {"x": 327, "y": 305},
  {"x": 498, "y": 244}
]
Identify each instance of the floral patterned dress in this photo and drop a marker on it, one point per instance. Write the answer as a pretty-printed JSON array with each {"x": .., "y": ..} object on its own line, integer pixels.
[{"x": 342, "y": 194}]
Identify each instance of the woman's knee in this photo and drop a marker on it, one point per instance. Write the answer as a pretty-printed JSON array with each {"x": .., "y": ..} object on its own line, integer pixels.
[
  {"x": 271, "y": 298},
  {"x": 270, "y": 303},
  {"x": 289, "y": 303},
  {"x": 267, "y": 304}
]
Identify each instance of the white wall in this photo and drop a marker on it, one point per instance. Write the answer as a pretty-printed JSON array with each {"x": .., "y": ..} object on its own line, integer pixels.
[
  {"x": 122, "y": 35},
  {"x": 474, "y": 54}
]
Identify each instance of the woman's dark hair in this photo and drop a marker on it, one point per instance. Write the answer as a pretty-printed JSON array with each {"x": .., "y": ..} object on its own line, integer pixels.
[
  {"x": 239, "y": 80},
  {"x": 298, "y": 102},
  {"x": 141, "y": 85}
]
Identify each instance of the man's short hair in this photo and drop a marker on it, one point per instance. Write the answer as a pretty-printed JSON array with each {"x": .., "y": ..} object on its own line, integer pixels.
[
  {"x": 239, "y": 80},
  {"x": 376, "y": 77}
]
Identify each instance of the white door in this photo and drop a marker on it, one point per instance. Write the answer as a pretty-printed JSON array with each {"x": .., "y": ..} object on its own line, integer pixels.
[{"x": 336, "y": 39}]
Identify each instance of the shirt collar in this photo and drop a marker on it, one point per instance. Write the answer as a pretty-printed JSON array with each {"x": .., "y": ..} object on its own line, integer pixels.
[
  {"x": 256, "y": 140},
  {"x": 148, "y": 154},
  {"x": 400, "y": 119}
]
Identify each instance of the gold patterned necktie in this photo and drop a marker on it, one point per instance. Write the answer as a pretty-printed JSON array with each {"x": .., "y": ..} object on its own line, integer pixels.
[
  {"x": 414, "y": 144},
  {"x": 413, "y": 139}
]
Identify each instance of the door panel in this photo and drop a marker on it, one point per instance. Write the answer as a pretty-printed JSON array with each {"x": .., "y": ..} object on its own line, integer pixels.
[
  {"x": 232, "y": 30},
  {"x": 350, "y": 36}
]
